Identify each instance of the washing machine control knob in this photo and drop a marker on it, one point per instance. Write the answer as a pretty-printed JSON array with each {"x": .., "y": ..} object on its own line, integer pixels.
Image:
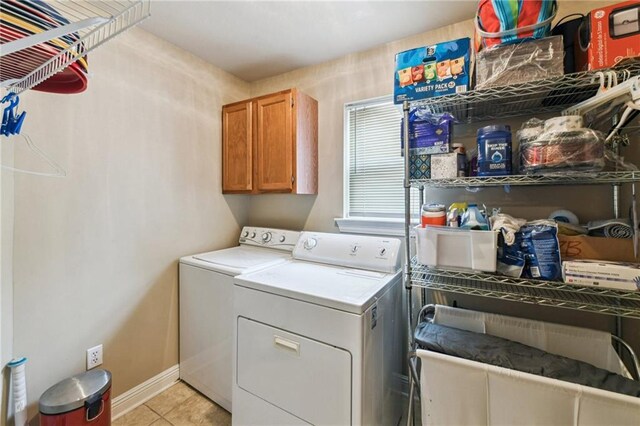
[
  {"x": 310, "y": 243},
  {"x": 383, "y": 251},
  {"x": 266, "y": 237},
  {"x": 253, "y": 235},
  {"x": 354, "y": 248},
  {"x": 245, "y": 234},
  {"x": 282, "y": 239}
]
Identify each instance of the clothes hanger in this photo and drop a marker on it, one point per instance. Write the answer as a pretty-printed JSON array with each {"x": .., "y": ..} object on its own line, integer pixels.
[
  {"x": 10, "y": 128},
  {"x": 56, "y": 169},
  {"x": 610, "y": 95}
]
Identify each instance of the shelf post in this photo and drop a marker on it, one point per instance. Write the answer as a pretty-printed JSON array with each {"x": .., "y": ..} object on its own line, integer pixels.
[
  {"x": 407, "y": 246},
  {"x": 407, "y": 194}
]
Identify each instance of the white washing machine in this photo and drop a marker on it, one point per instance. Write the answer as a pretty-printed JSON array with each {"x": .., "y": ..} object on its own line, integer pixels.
[
  {"x": 206, "y": 306},
  {"x": 318, "y": 339}
]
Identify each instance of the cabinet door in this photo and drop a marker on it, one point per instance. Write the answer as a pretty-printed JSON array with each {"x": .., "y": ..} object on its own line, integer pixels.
[
  {"x": 237, "y": 148},
  {"x": 274, "y": 143}
]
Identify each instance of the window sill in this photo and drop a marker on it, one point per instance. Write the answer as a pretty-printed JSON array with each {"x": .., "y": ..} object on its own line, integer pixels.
[{"x": 372, "y": 226}]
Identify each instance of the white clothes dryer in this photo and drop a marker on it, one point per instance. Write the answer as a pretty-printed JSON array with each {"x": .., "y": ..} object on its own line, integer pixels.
[
  {"x": 318, "y": 339},
  {"x": 206, "y": 306}
]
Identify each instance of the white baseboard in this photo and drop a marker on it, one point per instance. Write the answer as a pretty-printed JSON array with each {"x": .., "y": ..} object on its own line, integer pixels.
[{"x": 140, "y": 394}]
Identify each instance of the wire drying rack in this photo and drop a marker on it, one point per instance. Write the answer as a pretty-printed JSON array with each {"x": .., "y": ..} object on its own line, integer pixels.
[
  {"x": 81, "y": 27},
  {"x": 591, "y": 299},
  {"x": 529, "y": 98}
]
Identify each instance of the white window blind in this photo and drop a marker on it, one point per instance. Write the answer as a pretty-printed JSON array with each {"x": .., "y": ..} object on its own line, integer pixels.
[{"x": 376, "y": 167}]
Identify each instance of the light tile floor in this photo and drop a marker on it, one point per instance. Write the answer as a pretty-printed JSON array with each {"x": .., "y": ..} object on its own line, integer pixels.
[{"x": 180, "y": 405}]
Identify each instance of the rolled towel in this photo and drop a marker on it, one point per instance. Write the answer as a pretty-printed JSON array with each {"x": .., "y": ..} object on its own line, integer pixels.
[{"x": 612, "y": 228}]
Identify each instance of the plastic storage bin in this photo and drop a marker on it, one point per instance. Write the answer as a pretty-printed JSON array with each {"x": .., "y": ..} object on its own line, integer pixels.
[{"x": 457, "y": 248}]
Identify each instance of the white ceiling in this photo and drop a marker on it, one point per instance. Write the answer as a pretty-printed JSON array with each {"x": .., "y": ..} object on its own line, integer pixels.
[{"x": 258, "y": 39}]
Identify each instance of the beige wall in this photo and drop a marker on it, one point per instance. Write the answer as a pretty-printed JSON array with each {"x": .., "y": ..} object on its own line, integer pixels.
[
  {"x": 368, "y": 75},
  {"x": 6, "y": 273},
  {"x": 95, "y": 253}
]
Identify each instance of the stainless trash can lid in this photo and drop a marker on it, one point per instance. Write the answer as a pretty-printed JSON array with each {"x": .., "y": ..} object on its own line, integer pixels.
[{"x": 71, "y": 393}]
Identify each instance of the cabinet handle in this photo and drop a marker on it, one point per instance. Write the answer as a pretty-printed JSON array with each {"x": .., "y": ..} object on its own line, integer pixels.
[
  {"x": 293, "y": 179},
  {"x": 287, "y": 344}
]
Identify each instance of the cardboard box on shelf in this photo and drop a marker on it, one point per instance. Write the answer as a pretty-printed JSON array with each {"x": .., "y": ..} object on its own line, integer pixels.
[
  {"x": 596, "y": 248},
  {"x": 419, "y": 166},
  {"x": 621, "y": 276},
  {"x": 436, "y": 70},
  {"x": 448, "y": 166},
  {"x": 608, "y": 35}
]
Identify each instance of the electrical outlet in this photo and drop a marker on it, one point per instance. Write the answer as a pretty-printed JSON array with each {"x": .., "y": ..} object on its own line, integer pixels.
[{"x": 94, "y": 357}]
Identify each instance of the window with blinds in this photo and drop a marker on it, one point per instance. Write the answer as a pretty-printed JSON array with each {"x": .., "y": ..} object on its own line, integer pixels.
[{"x": 376, "y": 167}]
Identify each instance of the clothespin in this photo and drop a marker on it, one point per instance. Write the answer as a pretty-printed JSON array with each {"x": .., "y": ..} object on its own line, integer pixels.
[{"x": 11, "y": 119}]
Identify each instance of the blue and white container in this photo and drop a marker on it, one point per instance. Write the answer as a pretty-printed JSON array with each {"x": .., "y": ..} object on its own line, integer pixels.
[{"x": 494, "y": 150}]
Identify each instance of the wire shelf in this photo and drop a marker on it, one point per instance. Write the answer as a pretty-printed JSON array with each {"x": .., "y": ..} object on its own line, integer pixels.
[
  {"x": 548, "y": 293},
  {"x": 575, "y": 178},
  {"x": 77, "y": 27},
  {"x": 529, "y": 98}
]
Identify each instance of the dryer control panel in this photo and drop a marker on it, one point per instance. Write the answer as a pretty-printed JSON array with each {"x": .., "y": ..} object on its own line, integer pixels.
[
  {"x": 380, "y": 254},
  {"x": 281, "y": 239}
]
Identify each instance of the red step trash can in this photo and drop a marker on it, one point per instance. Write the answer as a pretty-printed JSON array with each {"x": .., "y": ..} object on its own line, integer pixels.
[{"x": 84, "y": 399}]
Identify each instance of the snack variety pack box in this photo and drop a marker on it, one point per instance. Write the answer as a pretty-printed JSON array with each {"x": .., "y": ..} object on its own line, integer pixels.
[{"x": 440, "y": 69}]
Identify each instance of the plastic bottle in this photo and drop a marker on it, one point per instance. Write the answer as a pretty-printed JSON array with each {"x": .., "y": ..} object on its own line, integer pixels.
[
  {"x": 433, "y": 214},
  {"x": 494, "y": 150},
  {"x": 474, "y": 219}
]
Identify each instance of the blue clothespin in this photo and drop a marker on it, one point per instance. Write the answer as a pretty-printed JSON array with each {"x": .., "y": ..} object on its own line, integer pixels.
[{"x": 11, "y": 120}]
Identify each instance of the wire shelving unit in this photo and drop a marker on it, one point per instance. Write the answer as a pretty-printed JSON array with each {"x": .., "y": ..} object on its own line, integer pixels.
[
  {"x": 549, "y": 293},
  {"x": 516, "y": 101},
  {"x": 535, "y": 97},
  {"x": 599, "y": 178},
  {"x": 75, "y": 27},
  {"x": 527, "y": 99}
]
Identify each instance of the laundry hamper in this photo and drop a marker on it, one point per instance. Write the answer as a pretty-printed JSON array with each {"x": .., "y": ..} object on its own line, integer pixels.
[{"x": 457, "y": 391}]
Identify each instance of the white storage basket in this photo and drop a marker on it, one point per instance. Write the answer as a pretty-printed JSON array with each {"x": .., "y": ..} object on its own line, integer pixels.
[{"x": 457, "y": 248}]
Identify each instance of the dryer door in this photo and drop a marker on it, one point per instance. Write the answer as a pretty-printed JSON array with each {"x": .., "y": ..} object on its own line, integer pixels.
[{"x": 306, "y": 378}]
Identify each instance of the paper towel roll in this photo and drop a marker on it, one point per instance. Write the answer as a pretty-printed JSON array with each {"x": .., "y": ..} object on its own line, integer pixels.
[{"x": 565, "y": 216}]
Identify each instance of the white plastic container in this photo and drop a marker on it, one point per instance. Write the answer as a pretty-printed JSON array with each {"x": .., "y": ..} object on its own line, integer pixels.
[{"x": 448, "y": 247}]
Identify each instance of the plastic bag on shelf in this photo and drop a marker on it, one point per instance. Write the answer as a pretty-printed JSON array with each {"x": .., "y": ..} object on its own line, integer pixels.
[
  {"x": 560, "y": 146},
  {"x": 511, "y": 259},
  {"x": 527, "y": 61},
  {"x": 428, "y": 133},
  {"x": 535, "y": 252},
  {"x": 578, "y": 150}
]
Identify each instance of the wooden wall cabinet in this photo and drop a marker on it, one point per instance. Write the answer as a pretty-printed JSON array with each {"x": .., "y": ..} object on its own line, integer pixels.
[{"x": 270, "y": 144}]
